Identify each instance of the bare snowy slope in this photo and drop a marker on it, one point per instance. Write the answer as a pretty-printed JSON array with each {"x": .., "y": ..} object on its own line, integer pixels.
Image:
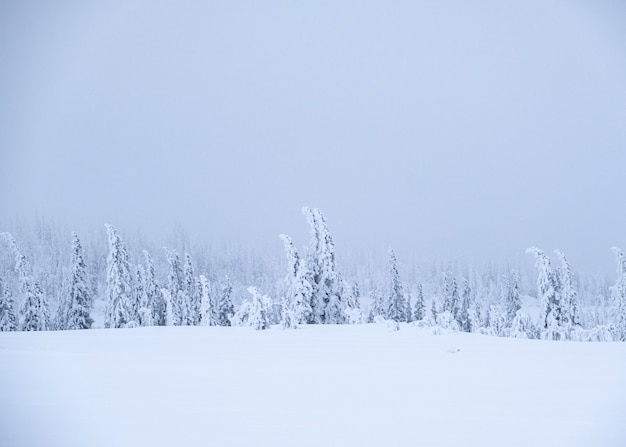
[{"x": 320, "y": 385}]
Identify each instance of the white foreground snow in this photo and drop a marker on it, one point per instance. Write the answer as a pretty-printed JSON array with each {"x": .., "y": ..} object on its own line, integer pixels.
[{"x": 316, "y": 386}]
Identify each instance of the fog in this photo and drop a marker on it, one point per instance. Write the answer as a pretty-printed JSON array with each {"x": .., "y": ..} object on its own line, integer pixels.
[{"x": 442, "y": 129}]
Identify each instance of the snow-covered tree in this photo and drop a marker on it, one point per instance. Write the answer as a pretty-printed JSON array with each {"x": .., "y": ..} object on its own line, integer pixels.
[
  {"x": 352, "y": 296},
  {"x": 192, "y": 293},
  {"x": 618, "y": 292},
  {"x": 569, "y": 295},
  {"x": 225, "y": 310},
  {"x": 207, "y": 306},
  {"x": 155, "y": 300},
  {"x": 33, "y": 311},
  {"x": 144, "y": 309},
  {"x": 377, "y": 306},
  {"x": 322, "y": 271},
  {"x": 257, "y": 317},
  {"x": 119, "y": 291},
  {"x": 550, "y": 319},
  {"x": 299, "y": 290},
  {"x": 8, "y": 321},
  {"x": 288, "y": 318},
  {"x": 522, "y": 326},
  {"x": 512, "y": 300},
  {"x": 79, "y": 309},
  {"x": 176, "y": 288},
  {"x": 419, "y": 309},
  {"x": 450, "y": 298},
  {"x": 463, "y": 312},
  {"x": 396, "y": 301},
  {"x": 169, "y": 307}
]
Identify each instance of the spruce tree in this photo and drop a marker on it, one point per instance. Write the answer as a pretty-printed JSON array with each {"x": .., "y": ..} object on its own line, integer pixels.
[
  {"x": 396, "y": 302},
  {"x": 569, "y": 295},
  {"x": 550, "y": 319},
  {"x": 207, "y": 306},
  {"x": 156, "y": 302},
  {"x": 419, "y": 310},
  {"x": 512, "y": 300},
  {"x": 175, "y": 286},
  {"x": 119, "y": 291},
  {"x": 258, "y": 317},
  {"x": 8, "y": 322},
  {"x": 78, "y": 312},
  {"x": 225, "y": 309},
  {"x": 299, "y": 290},
  {"x": 192, "y": 293}
]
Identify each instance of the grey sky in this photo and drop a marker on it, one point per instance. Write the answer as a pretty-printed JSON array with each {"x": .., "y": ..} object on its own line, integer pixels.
[{"x": 440, "y": 128}]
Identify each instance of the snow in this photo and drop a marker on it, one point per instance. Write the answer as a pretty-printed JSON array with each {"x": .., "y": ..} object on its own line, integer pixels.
[{"x": 349, "y": 385}]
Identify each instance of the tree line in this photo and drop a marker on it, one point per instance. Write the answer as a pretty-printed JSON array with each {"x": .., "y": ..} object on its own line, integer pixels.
[{"x": 313, "y": 291}]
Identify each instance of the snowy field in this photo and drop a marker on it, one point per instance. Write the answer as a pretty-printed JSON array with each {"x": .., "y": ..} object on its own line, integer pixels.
[{"x": 350, "y": 385}]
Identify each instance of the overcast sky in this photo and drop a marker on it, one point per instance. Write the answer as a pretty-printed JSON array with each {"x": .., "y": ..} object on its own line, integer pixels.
[{"x": 441, "y": 128}]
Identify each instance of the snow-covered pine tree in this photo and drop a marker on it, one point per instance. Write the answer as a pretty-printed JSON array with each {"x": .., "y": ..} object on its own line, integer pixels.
[
  {"x": 169, "y": 307},
  {"x": 323, "y": 271},
  {"x": 512, "y": 300},
  {"x": 156, "y": 302},
  {"x": 193, "y": 296},
  {"x": 618, "y": 293},
  {"x": 396, "y": 302},
  {"x": 419, "y": 309},
  {"x": 8, "y": 322},
  {"x": 569, "y": 295},
  {"x": 257, "y": 317},
  {"x": 34, "y": 314},
  {"x": 352, "y": 296},
  {"x": 225, "y": 309},
  {"x": 377, "y": 306},
  {"x": 144, "y": 306},
  {"x": 522, "y": 326},
  {"x": 550, "y": 318},
  {"x": 79, "y": 309},
  {"x": 299, "y": 290},
  {"x": 206, "y": 304},
  {"x": 450, "y": 292},
  {"x": 119, "y": 291},
  {"x": 463, "y": 314},
  {"x": 288, "y": 319},
  {"x": 175, "y": 286}
]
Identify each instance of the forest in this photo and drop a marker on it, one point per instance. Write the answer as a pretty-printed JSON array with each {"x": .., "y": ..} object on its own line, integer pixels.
[{"x": 50, "y": 280}]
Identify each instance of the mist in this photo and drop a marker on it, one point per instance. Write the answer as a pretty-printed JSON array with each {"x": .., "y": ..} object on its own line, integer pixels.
[{"x": 449, "y": 130}]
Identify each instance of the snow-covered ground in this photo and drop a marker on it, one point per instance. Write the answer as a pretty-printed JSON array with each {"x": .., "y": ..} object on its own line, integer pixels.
[{"x": 356, "y": 385}]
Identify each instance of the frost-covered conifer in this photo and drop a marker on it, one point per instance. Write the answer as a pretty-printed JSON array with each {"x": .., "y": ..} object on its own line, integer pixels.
[
  {"x": 377, "y": 306},
  {"x": 8, "y": 322},
  {"x": 156, "y": 302},
  {"x": 144, "y": 306},
  {"x": 419, "y": 309},
  {"x": 550, "y": 319},
  {"x": 569, "y": 295},
  {"x": 225, "y": 308},
  {"x": 450, "y": 297},
  {"x": 322, "y": 271},
  {"x": 352, "y": 310},
  {"x": 207, "y": 306},
  {"x": 175, "y": 286},
  {"x": 522, "y": 326},
  {"x": 257, "y": 317},
  {"x": 169, "y": 307},
  {"x": 193, "y": 297},
  {"x": 119, "y": 292},
  {"x": 299, "y": 290},
  {"x": 34, "y": 314},
  {"x": 512, "y": 300},
  {"x": 463, "y": 313},
  {"x": 396, "y": 302},
  {"x": 497, "y": 322},
  {"x": 79, "y": 308},
  {"x": 288, "y": 319},
  {"x": 618, "y": 292}
]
